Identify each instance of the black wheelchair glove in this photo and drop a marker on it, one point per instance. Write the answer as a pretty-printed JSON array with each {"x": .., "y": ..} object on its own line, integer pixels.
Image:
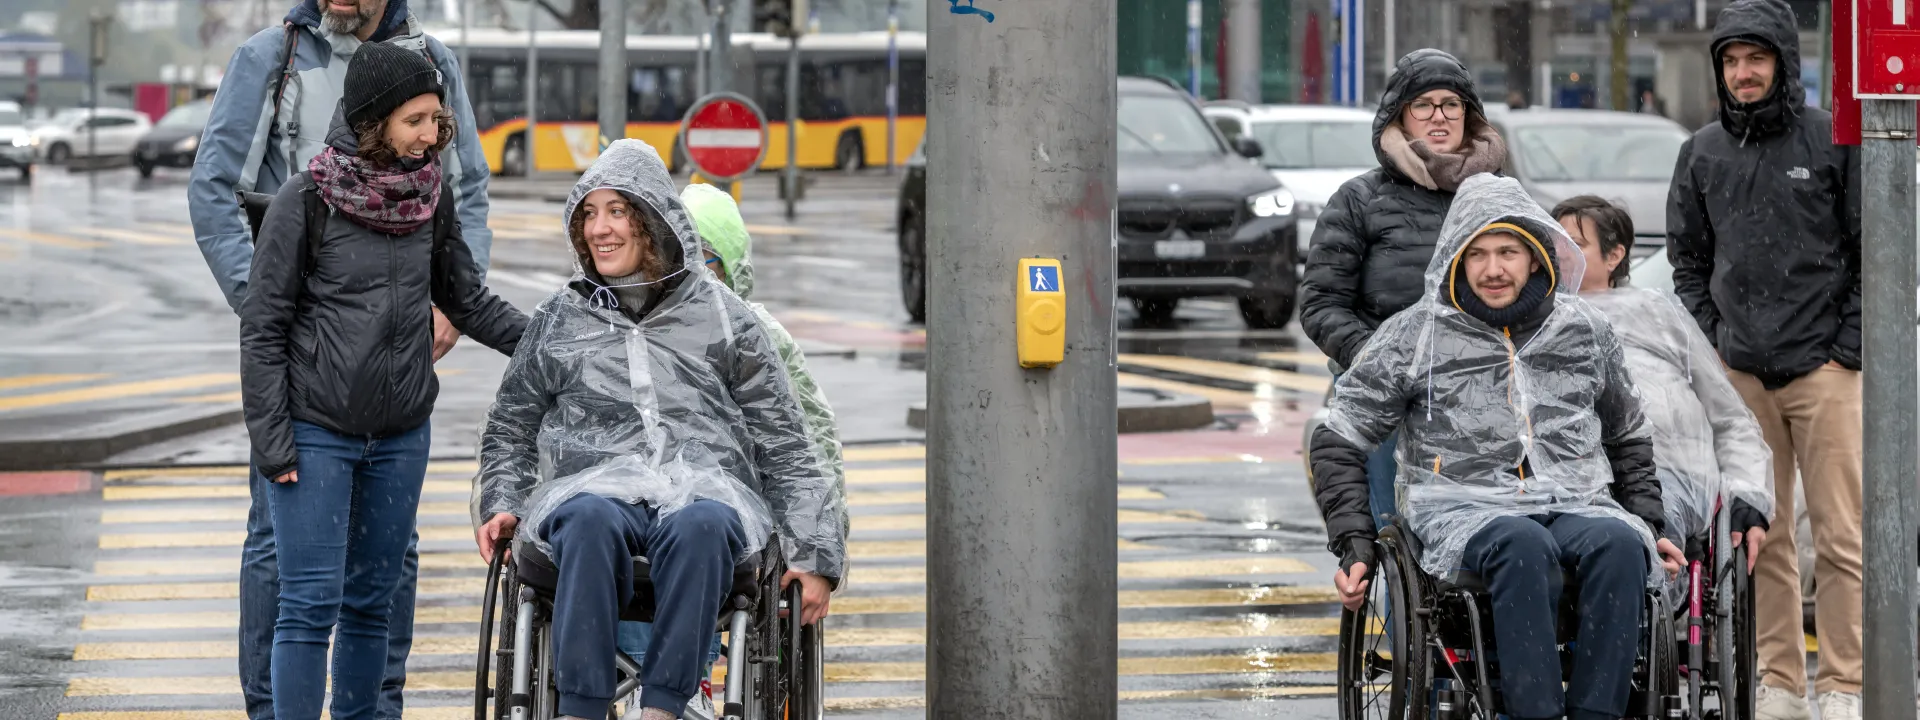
[
  {"x": 1746, "y": 518},
  {"x": 1359, "y": 550}
]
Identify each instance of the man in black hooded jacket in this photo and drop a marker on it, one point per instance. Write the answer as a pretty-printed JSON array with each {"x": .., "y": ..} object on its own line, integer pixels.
[{"x": 1763, "y": 230}]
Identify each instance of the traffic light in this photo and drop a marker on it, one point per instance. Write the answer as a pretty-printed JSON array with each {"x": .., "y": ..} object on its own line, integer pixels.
[{"x": 784, "y": 18}]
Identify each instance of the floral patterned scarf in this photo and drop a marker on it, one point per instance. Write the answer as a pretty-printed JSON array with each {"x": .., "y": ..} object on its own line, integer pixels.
[{"x": 394, "y": 200}]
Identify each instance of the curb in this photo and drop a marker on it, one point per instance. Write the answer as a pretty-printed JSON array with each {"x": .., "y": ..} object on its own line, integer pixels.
[
  {"x": 96, "y": 443},
  {"x": 1140, "y": 410}
]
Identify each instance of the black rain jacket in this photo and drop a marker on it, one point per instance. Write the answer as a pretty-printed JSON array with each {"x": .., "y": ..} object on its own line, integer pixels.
[
  {"x": 1373, "y": 240},
  {"x": 1763, "y": 219},
  {"x": 341, "y": 335}
]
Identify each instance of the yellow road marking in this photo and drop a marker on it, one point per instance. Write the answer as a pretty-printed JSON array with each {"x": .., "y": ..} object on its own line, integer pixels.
[
  {"x": 1218, "y": 396},
  {"x": 224, "y": 619},
  {"x": 1252, "y": 663},
  {"x": 26, "y": 381},
  {"x": 211, "y": 471},
  {"x": 1298, "y": 358},
  {"x": 118, "y": 390},
  {"x": 238, "y": 513},
  {"x": 52, "y": 240},
  {"x": 203, "y": 492},
  {"x": 887, "y": 476},
  {"x": 1232, "y": 371},
  {"x": 465, "y": 586},
  {"x": 136, "y": 237},
  {"x": 787, "y": 230},
  {"x": 221, "y": 685},
  {"x": 225, "y": 397},
  {"x": 882, "y": 523},
  {"x": 883, "y": 453},
  {"x": 234, "y": 538},
  {"x": 1141, "y": 570},
  {"x": 175, "y": 228},
  {"x": 1197, "y": 460}
]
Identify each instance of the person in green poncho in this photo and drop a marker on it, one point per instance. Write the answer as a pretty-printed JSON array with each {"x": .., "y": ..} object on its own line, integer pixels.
[{"x": 729, "y": 254}]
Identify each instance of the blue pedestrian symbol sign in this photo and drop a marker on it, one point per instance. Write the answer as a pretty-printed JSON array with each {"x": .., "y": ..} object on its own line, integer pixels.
[{"x": 1044, "y": 278}]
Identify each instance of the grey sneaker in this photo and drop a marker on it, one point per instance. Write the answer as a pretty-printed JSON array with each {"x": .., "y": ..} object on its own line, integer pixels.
[
  {"x": 1772, "y": 703},
  {"x": 1839, "y": 706},
  {"x": 701, "y": 708}
]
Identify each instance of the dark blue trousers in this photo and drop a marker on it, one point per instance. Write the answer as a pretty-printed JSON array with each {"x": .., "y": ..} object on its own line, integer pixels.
[
  {"x": 1608, "y": 560},
  {"x": 594, "y": 540}
]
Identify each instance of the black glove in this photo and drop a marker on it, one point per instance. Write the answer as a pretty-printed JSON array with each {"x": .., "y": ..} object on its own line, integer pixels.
[
  {"x": 1359, "y": 550},
  {"x": 1746, "y": 518}
]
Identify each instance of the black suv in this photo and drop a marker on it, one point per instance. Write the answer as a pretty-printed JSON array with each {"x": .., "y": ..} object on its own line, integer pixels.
[{"x": 1196, "y": 217}]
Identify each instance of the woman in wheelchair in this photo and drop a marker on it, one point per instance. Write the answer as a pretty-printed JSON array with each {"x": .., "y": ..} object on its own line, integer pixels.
[
  {"x": 646, "y": 414},
  {"x": 1523, "y": 453}
]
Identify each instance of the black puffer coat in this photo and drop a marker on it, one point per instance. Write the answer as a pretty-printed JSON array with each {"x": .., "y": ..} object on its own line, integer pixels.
[
  {"x": 1763, "y": 219},
  {"x": 341, "y": 335},
  {"x": 1373, "y": 240}
]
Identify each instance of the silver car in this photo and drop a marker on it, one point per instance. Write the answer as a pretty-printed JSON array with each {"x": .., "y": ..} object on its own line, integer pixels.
[{"x": 1627, "y": 158}]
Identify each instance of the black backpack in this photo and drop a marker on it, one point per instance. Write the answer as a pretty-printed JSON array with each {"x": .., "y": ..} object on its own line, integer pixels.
[{"x": 317, "y": 211}]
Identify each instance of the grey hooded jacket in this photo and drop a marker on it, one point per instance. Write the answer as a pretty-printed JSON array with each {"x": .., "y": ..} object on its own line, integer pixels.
[
  {"x": 238, "y": 151},
  {"x": 686, "y": 398}
]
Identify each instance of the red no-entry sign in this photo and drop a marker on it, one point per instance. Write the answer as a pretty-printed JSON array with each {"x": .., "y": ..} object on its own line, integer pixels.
[{"x": 724, "y": 136}]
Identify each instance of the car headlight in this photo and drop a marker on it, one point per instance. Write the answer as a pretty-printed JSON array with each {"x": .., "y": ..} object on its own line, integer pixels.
[
  {"x": 1308, "y": 209},
  {"x": 187, "y": 144},
  {"x": 1274, "y": 203},
  {"x": 22, "y": 141}
]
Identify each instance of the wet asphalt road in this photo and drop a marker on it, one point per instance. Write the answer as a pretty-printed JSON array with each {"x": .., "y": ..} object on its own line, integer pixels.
[{"x": 116, "y": 599}]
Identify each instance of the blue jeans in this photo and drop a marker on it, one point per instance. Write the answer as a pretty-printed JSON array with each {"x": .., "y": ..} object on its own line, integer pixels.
[
  {"x": 594, "y": 540},
  {"x": 1606, "y": 558},
  {"x": 342, "y": 533},
  {"x": 260, "y": 608},
  {"x": 635, "y": 636},
  {"x": 1381, "y": 469}
]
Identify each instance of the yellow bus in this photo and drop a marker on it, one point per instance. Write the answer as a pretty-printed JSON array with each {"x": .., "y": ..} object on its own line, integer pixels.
[{"x": 843, "y": 95}]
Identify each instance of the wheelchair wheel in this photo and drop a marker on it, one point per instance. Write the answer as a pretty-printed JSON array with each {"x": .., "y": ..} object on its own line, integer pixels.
[
  {"x": 806, "y": 697},
  {"x": 489, "y": 694},
  {"x": 1739, "y": 664},
  {"x": 1663, "y": 659},
  {"x": 1382, "y": 665}
]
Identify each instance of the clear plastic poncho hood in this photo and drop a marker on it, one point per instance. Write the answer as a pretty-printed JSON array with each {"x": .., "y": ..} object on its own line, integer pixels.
[
  {"x": 1472, "y": 408},
  {"x": 691, "y": 401},
  {"x": 1705, "y": 440}
]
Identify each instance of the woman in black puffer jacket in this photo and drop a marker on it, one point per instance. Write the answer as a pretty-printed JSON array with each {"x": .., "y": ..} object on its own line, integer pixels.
[{"x": 1374, "y": 239}]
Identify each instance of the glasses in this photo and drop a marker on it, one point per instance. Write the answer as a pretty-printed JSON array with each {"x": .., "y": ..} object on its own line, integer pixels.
[{"x": 1451, "y": 109}]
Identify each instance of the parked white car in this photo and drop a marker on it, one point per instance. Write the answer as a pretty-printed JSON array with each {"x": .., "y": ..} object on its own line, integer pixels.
[
  {"x": 16, "y": 144},
  {"x": 116, "y": 132},
  {"x": 1311, "y": 149}
]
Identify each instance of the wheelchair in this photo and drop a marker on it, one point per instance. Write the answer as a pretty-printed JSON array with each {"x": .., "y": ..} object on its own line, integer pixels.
[
  {"x": 1422, "y": 647},
  {"x": 775, "y": 665},
  {"x": 1716, "y": 610}
]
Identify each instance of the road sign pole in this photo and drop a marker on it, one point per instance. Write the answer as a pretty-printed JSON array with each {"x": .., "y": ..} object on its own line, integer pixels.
[
  {"x": 720, "y": 64},
  {"x": 1888, "y": 407},
  {"x": 893, "y": 78},
  {"x": 791, "y": 172},
  {"x": 1021, "y": 554},
  {"x": 532, "y": 86},
  {"x": 613, "y": 71}
]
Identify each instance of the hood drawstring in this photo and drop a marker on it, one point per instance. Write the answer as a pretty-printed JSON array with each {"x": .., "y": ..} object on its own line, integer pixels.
[{"x": 603, "y": 295}]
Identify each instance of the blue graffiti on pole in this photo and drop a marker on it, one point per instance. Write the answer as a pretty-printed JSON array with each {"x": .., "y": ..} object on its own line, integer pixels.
[{"x": 968, "y": 9}]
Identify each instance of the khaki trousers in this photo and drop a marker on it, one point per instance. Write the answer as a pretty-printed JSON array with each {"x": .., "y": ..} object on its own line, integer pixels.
[{"x": 1813, "y": 425}]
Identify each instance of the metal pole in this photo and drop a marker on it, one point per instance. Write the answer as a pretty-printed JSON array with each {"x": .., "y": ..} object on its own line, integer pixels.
[
  {"x": 1243, "y": 50},
  {"x": 1193, "y": 47},
  {"x": 700, "y": 64},
  {"x": 720, "y": 66},
  {"x": 1887, "y": 381},
  {"x": 1390, "y": 17},
  {"x": 893, "y": 78},
  {"x": 613, "y": 70},
  {"x": 532, "y": 85},
  {"x": 791, "y": 173},
  {"x": 96, "y": 56},
  {"x": 1826, "y": 56},
  {"x": 1617, "y": 26},
  {"x": 1021, "y": 556},
  {"x": 466, "y": 43}
]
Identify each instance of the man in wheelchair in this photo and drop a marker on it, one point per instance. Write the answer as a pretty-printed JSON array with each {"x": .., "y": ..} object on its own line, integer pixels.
[
  {"x": 1523, "y": 452},
  {"x": 647, "y": 414}
]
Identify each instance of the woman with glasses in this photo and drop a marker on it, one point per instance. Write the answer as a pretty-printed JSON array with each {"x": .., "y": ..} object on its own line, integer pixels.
[{"x": 1375, "y": 236}]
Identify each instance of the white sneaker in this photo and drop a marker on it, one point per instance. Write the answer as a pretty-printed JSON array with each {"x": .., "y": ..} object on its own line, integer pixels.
[
  {"x": 1772, "y": 703},
  {"x": 1839, "y": 706},
  {"x": 701, "y": 708}
]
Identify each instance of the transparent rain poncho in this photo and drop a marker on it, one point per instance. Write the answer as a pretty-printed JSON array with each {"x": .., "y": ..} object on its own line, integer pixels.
[
  {"x": 1471, "y": 407},
  {"x": 1705, "y": 440},
  {"x": 690, "y": 402}
]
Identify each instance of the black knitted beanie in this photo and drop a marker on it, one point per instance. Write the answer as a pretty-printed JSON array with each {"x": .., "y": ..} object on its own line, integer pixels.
[{"x": 382, "y": 77}]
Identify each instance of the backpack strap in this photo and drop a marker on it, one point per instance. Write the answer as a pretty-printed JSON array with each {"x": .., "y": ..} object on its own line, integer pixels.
[
  {"x": 317, "y": 214},
  {"x": 280, "y": 91}
]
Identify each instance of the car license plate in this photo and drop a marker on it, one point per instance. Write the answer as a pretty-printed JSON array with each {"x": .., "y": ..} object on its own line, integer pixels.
[{"x": 1179, "y": 249}]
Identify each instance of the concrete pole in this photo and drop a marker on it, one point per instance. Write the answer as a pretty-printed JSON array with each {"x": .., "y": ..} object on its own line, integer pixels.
[
  {"x": 466, "y": 43},
  {"x": 1243, "y": 50},
  {"x": 1390, "y": 21},
  {"x": 1021, "y": 555},
  {"x": 1888, "y": 379},
  {"x": 613, "y": 70},
  {"x": 720, "y": 64},
  {"x": 893, "y": 79},
  {"x": 532, "y": 85}
]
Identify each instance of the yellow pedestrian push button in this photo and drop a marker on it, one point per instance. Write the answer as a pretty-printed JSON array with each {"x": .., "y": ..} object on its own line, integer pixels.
[{"x": 1041, "y": 314}]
